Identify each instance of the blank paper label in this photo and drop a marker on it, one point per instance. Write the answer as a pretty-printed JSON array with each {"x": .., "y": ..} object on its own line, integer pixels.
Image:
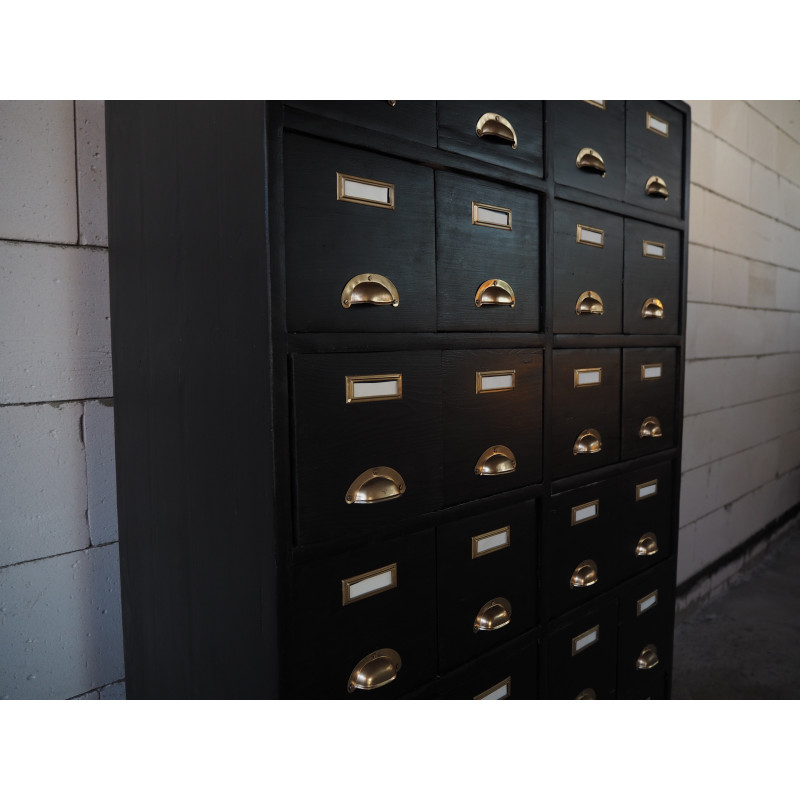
[
  {"x": 588, "y": 377},
  {"x": 651, "y": 372},
  {"x": 646, "y": 603},
  {"x": 646, "y": 490},
  {"x": 497, "y": 694},
  {"x": 585, "y": 639},
  {"x": 590, "y": 236},
  {"x": 366, "y": 191},
  {"x": 495, "y": 383},
  {"x": 582, "y": 513},
  {"x": 490, "y": 216},
  {"x": 658, "y": 125},
  {"x": 654, "y": 250},
  {"x": 370, "y": 584},
  {"x": 493, "y": 541},
  {"x": 363, "y": 390}
]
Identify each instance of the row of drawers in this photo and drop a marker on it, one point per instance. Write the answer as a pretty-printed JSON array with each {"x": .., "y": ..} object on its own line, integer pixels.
[
  {"x": 374, "y": 244},
  {"x": 383, "y": 437},
  {"x": 611, "y": 148}
]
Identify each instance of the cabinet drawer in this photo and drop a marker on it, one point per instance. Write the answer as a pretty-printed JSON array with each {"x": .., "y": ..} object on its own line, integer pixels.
[
  {"x": 486, "y": 582},
  {"x": 589, "y": 145},
  {"x": 652, "y": 293},
  {"x": 493, "y": 400},
  {"x": 487, "y": 256},
  {"x": 367, "y": 441},
  {"x": 378, "y": 597},
  {"x": 407, "y": 119},
  {"x": 359, "y": 240},
  {"x": 587, "y": 278},
  {"x": 654, "y": 139},
  {"x": 585, "y": 431},
  {"x": 511, "y": 131}
]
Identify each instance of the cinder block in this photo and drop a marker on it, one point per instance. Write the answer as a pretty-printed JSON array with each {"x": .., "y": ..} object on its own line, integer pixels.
[
  {"x": 90, "y": 125},
  {"x": 761, "y": 285},
  {"x": 115, "y": 691},
  {"x": 762, "y": 138},
  {"x": 701, "y": 113},
  {"x": 730, "y": 282},
  {"x": 788, "y": 157},
  {"x": 60, "y": 625},
  {"x": 686, "y": 565},
  {"x": 788, "y": 289},
  {"x": 98, "y": 429},
  {"x": 87, "y": 696},
  {"x": 42, "y": 482},
  {"x": 731, "y": 172},
  {"x": 703, "y": 387},
  {"x": 703, "y": 164},
  {"x": 701, "y": 273},
  {"x": 764, "y": 190},
  {"x": 54, "y": 323},
  {"x": 789, "y": 202},
  {"x": 785, "y": 114},
  {"x": 729, "y": 122}
]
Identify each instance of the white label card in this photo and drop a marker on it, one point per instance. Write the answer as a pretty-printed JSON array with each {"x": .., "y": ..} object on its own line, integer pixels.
[
  {"x": 585, "y": 639},
  {"x": 365, "y": 389},
  {"x": 651, "y": 372},
  {"x": 588, "y": 377},
  {"x": 488, "y": 216},
  {"x": 590, "y": 236},
  {"x": 647, "y": 602},
  {"x": 654, "y": 250},
  {"x": 369, "y": 583},
  {"x": 492, "y": 542},
  {"x": 646, "y": 490},
  {"x": 366, "y": 191},
  {"x": 497, "y": 694},
  {"x": 582, "y": 514},
  {"x": 495, "y": 383},
  {"x": 658, "y": 125},
  {"x": 380, "y": 581}
]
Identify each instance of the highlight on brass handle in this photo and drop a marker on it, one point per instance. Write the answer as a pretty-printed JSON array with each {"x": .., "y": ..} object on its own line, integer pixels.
[
  {"x": 588, "y": 442},
  {"x": 591, "y": 161},
  {"x": 647, "y": 545},
  {"x": 370, "y": 289},
  {"x": 653, "y": 308},
  {"x": 585, "y": 574},
  {"x": 587, "y": 694},
  {"x": 497, "y": 460},
  {"x": 493, "y": 615},
  {"x": 648, "y": 658},
  {"x": 650, "y": 427},
  {"x": 589, "y": 303},
  {"x": 656, "y": 187},
  {"x": 498, "y": 127},
  {"x": 375, "y": 485},
  {"x": 495, "y": 292},
  {"x": 375, "y": 670}
]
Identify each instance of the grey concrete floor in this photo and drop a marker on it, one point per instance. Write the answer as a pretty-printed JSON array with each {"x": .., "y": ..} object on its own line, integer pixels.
[{"x": 745, "y": 644}]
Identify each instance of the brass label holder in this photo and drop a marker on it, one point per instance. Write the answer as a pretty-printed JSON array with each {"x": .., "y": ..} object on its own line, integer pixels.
[
  {"x": 645, "y": 490},
  {"x": 491, "y": 216},
  {"x": 646, "y": 603},
  {"x": 491, "y": 542},
  {"x": 585, "y": 512},
  {"x": 590, "y": 376},
  {"x": 657, "y": 125},
  {"x": 651, "y": 372},
  {"x": 365, "y": 191},
  {"x": 373, "y": 388},
  {"x": 654, "y": 249},
  {"x": 368, "y": 584},
  {"x": 594, "y": 237},
  {"x": 597, "y": 103},
  {"x": 585, "y": 639},
  {"x": 500, "y": 691},
  {"x": 499, "y": 380}
]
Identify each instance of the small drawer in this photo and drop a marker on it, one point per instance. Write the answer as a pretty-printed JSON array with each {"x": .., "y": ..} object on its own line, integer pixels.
[
  {"x": 493, "y": 425},
  {"x": 367, "y": 441},
  {"x": 414, "y": 120},
  {"x": 374, "y": 604},
  {"x": 487, "y": 241},
  {"x": 648, "y": 400},
  {"x": 652, "y": 293},
  {"x": 587, "y": 279},
  {"x": 503, "y": 132},
  {"x": 654, "y": 139},
  {"x": 585, "y": 431},
  {"x": 486, "y": 582},
  {"x": 589, "y": 145},
  {"x": 359, "y": 240}
]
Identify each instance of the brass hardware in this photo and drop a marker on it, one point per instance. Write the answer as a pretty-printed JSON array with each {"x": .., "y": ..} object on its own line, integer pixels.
[
  {"x": 589, "y": 303},
  {"x": 587, "y": 694},
  {"x": 372, "y": 583},
  {"x": 646, "y": 603},
  {"x": 653, "y": 308},
  {"x": 497, "y": 460},
  {"x": 493, "y": 615},
  {"x": 648, "y": 658},
  {"x": 657, "y": 125},
  {"x": 392, "y": 103},
  {"x": 645, "y": 490},
  {"x": 655, "y": 371},
  {"x": 579, "y": 377},
  {"x": 493, "y": 387},
  {"x": 579, "y": 513},
  {"x": 495, "y": 292},
  {"x": 654, "y": 249},
  {"x": 486, "y": 221},
  {"x": 496, "y": 690},
  {"x": 491, "y": 542},
  {"x": 357, "y": 388},
  {"x": 585, "y": 574},
  {"x": 370, "y": 289},
  {"x": 647, "y": 545},
  {"x": 372, "y": 194},
  {"x": 498, "y": 127},
  {"x": 375, "y": 670},
  {"x": 597, "y": 103},
  {"x": 591, "y": 161},
  {"x": 651, "y": 427},
  {"x": 585, "y": 639},
  {"x": 588, "y": 442},
  {"x": 656, "y": 187},
  {"x": 375, "y": 485},
  {"x": 595, "y": 237}
]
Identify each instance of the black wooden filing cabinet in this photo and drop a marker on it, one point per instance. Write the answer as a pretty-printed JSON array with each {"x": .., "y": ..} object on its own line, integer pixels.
[{"x": 398, "y": 395}]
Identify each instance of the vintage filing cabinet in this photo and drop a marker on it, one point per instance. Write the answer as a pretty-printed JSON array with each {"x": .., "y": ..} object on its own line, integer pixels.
[{"x": 398, "y": 396}]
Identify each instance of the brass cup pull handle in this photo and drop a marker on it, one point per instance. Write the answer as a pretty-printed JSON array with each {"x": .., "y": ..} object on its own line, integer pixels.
[
  {"x": 585, "y": 574},
  {"x": 375, "y": 485},
  {"x": 650, "y": 427},
  {"x": 587, "y": 694},
  {"x": 653, "y": 308},
  {"x": 495, "y": 292},
  {"x": 370, "y": 289},
  {"x": 591, "y": 161},
  {"x": 656, "y": 187},
  {"x": 497, "y": 127},
  {"x": 589, "y": 303},
  {"x": 588, "y": 442},
  {"x": 647, "y": 545},
  {"x": 375, "y": 670},
  {"x": 493, "y": 615},
  {"x": 648, "y": 658},
  {"x": 497, "y": 460}
]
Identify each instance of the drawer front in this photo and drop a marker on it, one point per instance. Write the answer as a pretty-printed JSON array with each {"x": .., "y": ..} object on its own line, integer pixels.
[
  {"x": 585, "y": 431},
  {"x": 365, "y": 457},
  {"x": 654, "y": 139},
  {"x": 648, "y": 400},
  {"x": 511, "y": 132},
  {"x": 486, "y": 582},
  {"x": 652, "y": 293},
  {"x": 408, "y": 119},
  {"x": 493, "y": 422},
  {"x": 378, "y": 597},
  {"x": 359, "y": 240},
  {"x": 587, "y": 279},
  {"x": 487, "y": 256},
  {"x": 589, "y": 145}
]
